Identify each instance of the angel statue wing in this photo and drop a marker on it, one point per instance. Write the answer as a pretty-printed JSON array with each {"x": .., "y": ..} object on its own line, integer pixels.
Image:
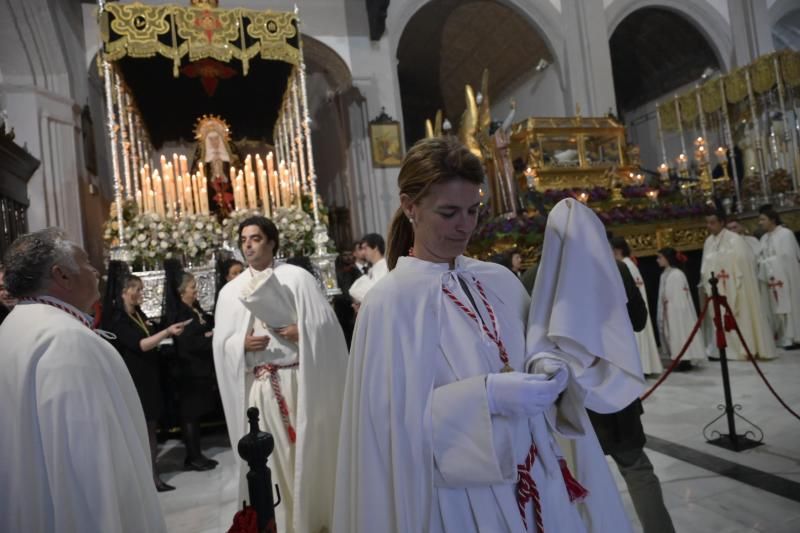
[
  {"x": 428, "y": 129},
  {"x": 468, "y": 129},
  {"x": 485, "y": 113}
]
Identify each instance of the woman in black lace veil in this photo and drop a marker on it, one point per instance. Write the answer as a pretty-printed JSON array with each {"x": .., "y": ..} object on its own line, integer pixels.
[{"x": 193, "y": 366}]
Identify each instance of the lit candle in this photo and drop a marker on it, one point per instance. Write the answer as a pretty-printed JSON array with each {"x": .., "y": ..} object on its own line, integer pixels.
[
  {"x": 663, "y": 169},
  {"x": 682, "y": 161},
  {"x": 163, "y": 161},
  {"x": 175, "y": 164},
  {"x": 204, "y": 194},
  {"x": 184, "y": 165},
  {"x": 720, "y": 153},
  {"x": 196, "y": 193},
  {"x": 151, "y": 199},
  {"x": 274, "y": 191},
  {"x": 179, "y": 192},
  {"x": 139, "y": 200},
  {"x": 296, "y": 186},
  {"x": 240, "y": 187},
  {"x": 168, "y": 189},
  {"x": 583, "y": 197}
]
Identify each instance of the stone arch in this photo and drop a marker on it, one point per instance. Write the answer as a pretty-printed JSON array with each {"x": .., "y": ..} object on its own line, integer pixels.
[
  {"x": 542, "y": 16},
  {"x": 781, "y": 8},
  {"x": 707, "y": 20},
  {"x": 431, "y": 79},
  {"x": 784, "y": 16},
  {"x": 326, "y": 59}
]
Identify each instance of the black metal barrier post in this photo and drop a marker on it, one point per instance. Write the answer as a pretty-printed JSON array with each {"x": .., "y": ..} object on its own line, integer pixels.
[
  {"x": 255, "y": 448},
  {"x": 731, "y": 441}
]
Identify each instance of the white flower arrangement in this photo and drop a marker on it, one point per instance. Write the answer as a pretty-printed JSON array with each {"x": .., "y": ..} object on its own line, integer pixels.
[
  {"x": 230, "y": 226},
  {"x": 296, "y": 229},
  {"x": 197, "y": 236},
  {"x": 149, "y": 237}
]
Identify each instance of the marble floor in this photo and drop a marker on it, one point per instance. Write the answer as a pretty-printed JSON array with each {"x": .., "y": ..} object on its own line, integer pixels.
[{"x": 699, "y": 500}]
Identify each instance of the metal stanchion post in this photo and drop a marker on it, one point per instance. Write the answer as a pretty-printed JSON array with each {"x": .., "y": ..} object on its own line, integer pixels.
[{"x": 731, "y": 441}]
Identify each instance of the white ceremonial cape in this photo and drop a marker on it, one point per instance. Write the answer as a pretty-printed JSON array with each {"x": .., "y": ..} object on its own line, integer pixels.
[
  {"x": 779, "y": 274},
  {"x": 677, "y": 317},
  {"x": 318, "y": 382},
  {"x": 74, "y": 455},
  {"x": 360, "y": 287},
  {"x": 645, "y": 339},
  {"x": 419, "y": 450},
  {"x": 579, "y": 315},
  {"x": 729, "y": 257}
]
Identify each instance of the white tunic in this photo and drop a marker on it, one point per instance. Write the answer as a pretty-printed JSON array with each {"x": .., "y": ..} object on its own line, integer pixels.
[
  {"x": 779, "y": 274},
  {"x": 731, "y": 259},
  {"x": 305, "y": 470},
  {"x": 677, "y": 317},
  {"x": 419, "y": 450},
  {"x": 74, "y": 455},
  {"x": 645, "y": 339}
]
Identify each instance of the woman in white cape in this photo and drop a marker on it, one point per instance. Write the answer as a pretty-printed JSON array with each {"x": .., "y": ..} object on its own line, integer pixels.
[
  {"x": 676, "y": 314},
  {"x": 435, "y": 435}
]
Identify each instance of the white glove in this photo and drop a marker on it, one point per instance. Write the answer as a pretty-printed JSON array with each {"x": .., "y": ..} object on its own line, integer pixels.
[
  {"x": 520, "y": 394},
  {"x": 555, "y": 369}
]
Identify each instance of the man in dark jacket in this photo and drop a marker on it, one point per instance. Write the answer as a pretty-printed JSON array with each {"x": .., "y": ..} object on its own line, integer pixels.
[{"x": 622, "y": 437}]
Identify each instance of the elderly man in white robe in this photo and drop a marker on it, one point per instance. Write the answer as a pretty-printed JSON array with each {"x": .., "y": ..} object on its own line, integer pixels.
[
  {"x": 728, "y": 256},
  {"x": 779, "y": 274},
  {"x": 73, "y": 441},
  {"x": 450, "y": 419},
  {"x": 279, "y": 347}
]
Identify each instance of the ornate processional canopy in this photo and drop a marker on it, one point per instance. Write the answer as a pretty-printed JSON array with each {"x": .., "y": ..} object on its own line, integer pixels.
[{"x": 199, "y": 32}]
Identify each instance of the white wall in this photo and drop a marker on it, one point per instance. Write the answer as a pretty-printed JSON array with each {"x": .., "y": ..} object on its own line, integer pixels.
[{"x": 41, "y": 43}]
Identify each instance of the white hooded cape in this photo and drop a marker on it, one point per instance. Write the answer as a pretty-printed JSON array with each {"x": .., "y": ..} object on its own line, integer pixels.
[
  {"x": 779, "y": 274},
  {"x": 74, "y": 456},
  {"x": 645, "y": 339},
  {"x": 729, "y": 257},
  {"x": 579, "y": 315},
  {"x": 677, "y": 317},
  {"x": 320, "y": 377}
]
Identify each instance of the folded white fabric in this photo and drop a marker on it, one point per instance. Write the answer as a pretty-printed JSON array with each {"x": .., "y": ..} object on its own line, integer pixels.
[{"x": 269, "y": 300}]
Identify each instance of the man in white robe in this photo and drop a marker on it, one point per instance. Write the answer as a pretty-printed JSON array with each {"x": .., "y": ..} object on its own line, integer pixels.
[
  {"x": 779, "y": 274},
  {"x": 422, "y": 447},
  {"x": 74, "y": 455},
  {"x": 289, "y": 361},
  {"x": 727, "y": 255},
  {"x": 645, "y": 339},
  {"x": 373, "y": 247}
]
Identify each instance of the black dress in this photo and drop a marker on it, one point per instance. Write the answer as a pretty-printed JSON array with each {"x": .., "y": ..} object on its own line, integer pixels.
[
  {"x": 143, "y": 366},
  {"x": 194, "y": 365}
]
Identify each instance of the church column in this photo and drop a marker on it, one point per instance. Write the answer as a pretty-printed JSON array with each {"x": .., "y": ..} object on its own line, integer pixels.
[
  {"x": 588, "y": 58},
  {"x": 752, "y": 36}
]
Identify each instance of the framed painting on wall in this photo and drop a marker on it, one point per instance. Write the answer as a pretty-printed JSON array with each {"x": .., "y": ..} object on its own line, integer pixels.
[{"x": 385, "y": 139}]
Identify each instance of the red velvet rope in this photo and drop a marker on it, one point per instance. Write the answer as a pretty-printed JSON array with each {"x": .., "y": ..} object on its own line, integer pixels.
[
  {"x": 681, "y": 354},
  {"x": 753, "y": 360},
  {"x": 728, "y": 324}
]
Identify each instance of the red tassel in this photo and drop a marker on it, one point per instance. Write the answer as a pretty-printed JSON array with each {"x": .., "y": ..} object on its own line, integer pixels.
[
  {"x": 730, "y": 323},
  {"x": 245, "y": 521},
  {"x": 576, "y": 491},
  {"x": 292, "y": 434}
]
